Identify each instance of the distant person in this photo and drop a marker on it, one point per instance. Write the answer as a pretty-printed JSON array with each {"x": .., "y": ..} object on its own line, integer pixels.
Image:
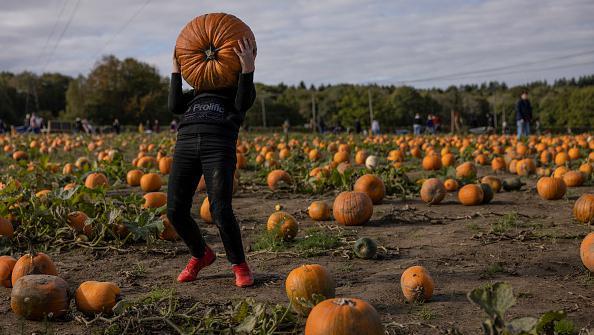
[
  {"x": 3, "y": 127},
  {"x": 116, "y": 126},
  {"x": 504, "y": 128},
  {"x": 429, "y": 127},
  {"x": 417, "y": 124},
  {"x": 322, "y": 126},
  {"x": 523, "y": 115},
  {"x": 78, "y": 126},
  {"x": 140, "y": 128},
  {"x": 286, "y": 126},
  {"x": 436, "y": 123},
  {"x": 147, "y": 126},
  {"x": 173, "y": 126},
  {"x": 35, "y": 123},
  {"x": 357, "y": 126},
  {"x": 156, "y": 127},
  {"x": 375, "y": 127}
]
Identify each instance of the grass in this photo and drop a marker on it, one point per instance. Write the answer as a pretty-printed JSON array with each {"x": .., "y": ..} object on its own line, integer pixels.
[
  {"x": 493, "y": 269},
  {"x": 425, "y": 313},
  {"x": 316, "y": 241},
  {"x": 505, "y": 223}
]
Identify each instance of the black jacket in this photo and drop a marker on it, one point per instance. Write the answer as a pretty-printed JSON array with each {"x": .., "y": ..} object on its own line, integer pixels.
[
  {"x": 523, "y": 110},
  {"x": 218, "y": 112}
]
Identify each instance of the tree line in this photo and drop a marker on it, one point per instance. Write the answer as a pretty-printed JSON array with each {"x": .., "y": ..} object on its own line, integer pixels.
[{"x": 135, "y": 92}]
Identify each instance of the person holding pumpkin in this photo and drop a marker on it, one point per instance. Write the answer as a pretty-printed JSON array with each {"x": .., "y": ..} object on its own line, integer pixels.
[{"x": 206, "y": 145}]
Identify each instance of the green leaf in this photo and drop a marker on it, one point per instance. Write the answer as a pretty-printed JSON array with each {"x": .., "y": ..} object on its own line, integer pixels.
[
  {"x": 495, "y": 300},
  {"x": 547, "y": 320},
  {"x": 521, "y": 326}
]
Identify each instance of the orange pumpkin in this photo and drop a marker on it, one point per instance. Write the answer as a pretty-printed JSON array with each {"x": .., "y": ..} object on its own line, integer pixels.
[
  {"x": 154, "y": 200},
  {"x": 451, "y": 185},
  {"x": 583, "y": 209},
  {"x": 372, "y": 185},
  {"x": 587, "y": 251},
  {"x": 7, "y": 263},
  {"x": 341, "y": 156},
  {"x": 550, "y": 188},
  {"x": 466, "y": 170},
  {"x": 77, "y": 220},
  {"x": 573, "y": 178},
  {"x": 168, "y": 233},
  {"x": 38, "y": 264},
  {"x": 133, "y": 177},
  {"x": 95, "y": 180},
  {"x": 352, "y": 208},
  {"x": 306, "y": 284},
  {"x": 344, "y": 316},
  {"x": 448, "y": 159},
  {"x": 204, "y": 50},
  {"x": 284, "y": 224},
  {"x": 471, "y": 195},
  {"x": 494, "y": 182},
  {"x": 275, "y": 177},
  {"x": 319, "y": 211},
  {"x": 416, "y": 284},
  {"x": 150, "y": 182},
  {"x": 165, "y": 164},
  {"x": 431, "y": 162},
  {"x": 40, "y": 296},
  {"x": 205, "y": 211},
  {"x": 93, "y": 297},
  {"x": 433, "y": 191},
  {"x": 6, "y": 228}
]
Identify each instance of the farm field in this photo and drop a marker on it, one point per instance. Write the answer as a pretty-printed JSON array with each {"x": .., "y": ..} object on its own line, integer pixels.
[{"x": 517, "y": 238}]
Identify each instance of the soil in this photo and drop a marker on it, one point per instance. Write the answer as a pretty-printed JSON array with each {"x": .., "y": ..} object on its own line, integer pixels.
[{"x": 538, "y": 255}]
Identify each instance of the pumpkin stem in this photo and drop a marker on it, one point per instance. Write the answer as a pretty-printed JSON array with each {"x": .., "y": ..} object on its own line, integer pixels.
[
  {"x": 211, "y": 52},
  {"x": 344, "y": 302}
]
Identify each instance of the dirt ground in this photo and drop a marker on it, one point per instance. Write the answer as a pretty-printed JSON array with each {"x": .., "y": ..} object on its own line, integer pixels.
[{"x": 538, "y": 254}]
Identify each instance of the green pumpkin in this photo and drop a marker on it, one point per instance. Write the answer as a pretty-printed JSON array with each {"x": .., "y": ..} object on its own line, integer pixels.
[
  {"x": 365, "y": 248},
  {"x": 512, "y": 184},
  {"x": 487, "y": 193}
]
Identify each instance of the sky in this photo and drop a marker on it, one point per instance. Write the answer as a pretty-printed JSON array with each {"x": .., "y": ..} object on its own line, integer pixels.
[{"x": 431, "y": 43}]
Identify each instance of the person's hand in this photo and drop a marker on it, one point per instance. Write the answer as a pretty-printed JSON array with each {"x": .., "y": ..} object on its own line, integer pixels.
[
  {"x": 175, "y": 63},
  {"x": 247, "y": 55}
]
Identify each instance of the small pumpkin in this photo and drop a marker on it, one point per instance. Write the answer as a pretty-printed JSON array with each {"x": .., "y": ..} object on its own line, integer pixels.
[
  {"x": 77, "y": 221},
  {"x": 431, "y": 162},
  {"x": 372, "y": 162},
  {"x": 471, "y": 195},
  {"x": 39, "y": 296},
  {"x": 95, "y": 180},
  {"x": 133, "y": 177},
  {"x": 451, "y": 185},
  {"x": 494, "y": 182},
  {"x": 433, "y": 191},
  {"x": 7, "y": 263},
  {"x": 308, "y": 283},
  {"x": 6, "y": 228},
  {"x": 466, "y": 170},
  {"x": 284, "y": 224},
  {"x": 365, "y": 248},
  {"x": 550, "y": 188},
  {"x": 28, "y": 264},
  {"x": 319, "y": 211},
  {"x": 276, "y": 177},
  {"x": 352, "y": 208},
  {"x": 93, "y": 297},
  {"x": 583, "y": 209},
  {"x": 205, "y": 211},
  {"x": 154, "y": 200},
  {"x": 498, "y": 164},
  {"x": 416, "y": 284},
  {"x": 151, "y": 182},
  {"x": 165, "y": 164},
  {"x": 573, "y": 179},
  {"x": 168, "y": 233},
  {"x": 587, "y": 251},
  {"x": 344, "y": 316},
  {"x": 372, "y": 185}
]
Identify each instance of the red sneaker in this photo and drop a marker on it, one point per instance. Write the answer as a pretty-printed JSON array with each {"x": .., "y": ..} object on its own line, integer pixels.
[
  {"x": 195, "y": 265},
  {"x": 243, "y": 275}
]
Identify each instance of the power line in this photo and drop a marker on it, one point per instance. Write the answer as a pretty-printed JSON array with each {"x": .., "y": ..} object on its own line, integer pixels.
[
  {"x": 52, "y": 31},
  {"x": 495, "y": 69},
  {"x": 51, "y": 55},
  {"x": 122, "y": 28}
]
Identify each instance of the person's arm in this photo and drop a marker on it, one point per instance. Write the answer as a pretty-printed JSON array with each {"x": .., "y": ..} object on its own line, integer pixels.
[
  {"x": 519, "y": 110},
  {"x": 529, "y": 111},
  {"x": 246, "y": 91},
  {"x": 177, "y": 98}
]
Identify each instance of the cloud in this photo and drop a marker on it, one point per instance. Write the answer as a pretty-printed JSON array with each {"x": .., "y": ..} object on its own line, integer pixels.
[{"x": 330, "y": 41}]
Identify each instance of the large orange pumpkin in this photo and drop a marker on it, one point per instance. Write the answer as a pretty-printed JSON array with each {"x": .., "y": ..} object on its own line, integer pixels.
[
  {"x": 583, "y": 209},
  {"x": 431, "y": 162},
  {"x": 573, "y": 178},
  {"x": 587, "y": 251},
  {"x": 466, "y": 170},
  {"x": 133, "y": 177},
  {"x": 352, "y": 208},
  {"x": 433, "y": 191},
  {"x": 372, "y": 185},
  {"x": 344, "y": 316},
  {"x": 416, "y": 284},
  {"x": 96, "y": 179},
  {"x": 550, "y": 188},
  {"x": 204, "y": 50},
  {"x": 154, "y": 199},
  {"x": 36, "y": 297},
  {"x": 150, "y": 182},
  {"x": 471, "y": 195},
  {"x": 38, "y": 264},
  {"x": 96, "y": 297},
  {"x": 305, "y": 283},
  {"x": 284, "y": 224},
  {"x": 319, "y": 211}
]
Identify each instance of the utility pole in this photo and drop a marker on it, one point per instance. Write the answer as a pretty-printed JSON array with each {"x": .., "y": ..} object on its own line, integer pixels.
[
  {"x": 313, "y": 112},
  {"x": 263, "y": 112}
]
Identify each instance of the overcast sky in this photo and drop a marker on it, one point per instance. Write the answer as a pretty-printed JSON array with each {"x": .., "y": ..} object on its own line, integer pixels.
[{"x": 421, "y": 43}]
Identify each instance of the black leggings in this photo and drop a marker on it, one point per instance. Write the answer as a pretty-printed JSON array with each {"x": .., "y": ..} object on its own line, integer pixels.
[{"x": 214, "y": 156}]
